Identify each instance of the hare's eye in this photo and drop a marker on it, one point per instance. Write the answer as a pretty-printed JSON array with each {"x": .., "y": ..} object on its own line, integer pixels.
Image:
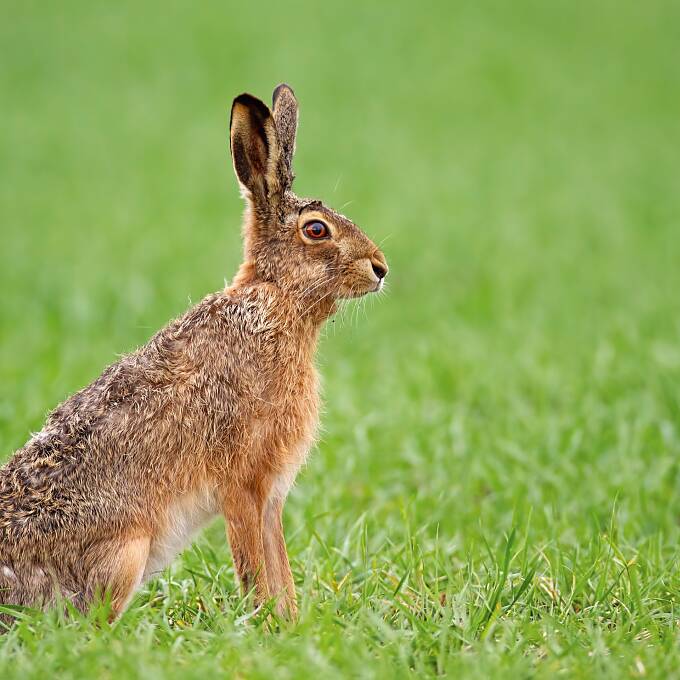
[{"x": 316, "y": 230}]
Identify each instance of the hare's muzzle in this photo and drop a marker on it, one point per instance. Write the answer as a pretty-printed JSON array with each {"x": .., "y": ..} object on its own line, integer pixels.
[{"x": 380, "y": 268}]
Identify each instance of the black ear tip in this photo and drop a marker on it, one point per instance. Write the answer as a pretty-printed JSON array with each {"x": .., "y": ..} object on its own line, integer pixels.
[
  {"x": 251, "y": 103},
  {"x": 279, "y": 90},
  {"x": 249, "y": 100}
]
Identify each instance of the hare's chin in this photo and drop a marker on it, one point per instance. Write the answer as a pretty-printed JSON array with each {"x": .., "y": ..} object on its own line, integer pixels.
[{"x": 352, "y": 293}]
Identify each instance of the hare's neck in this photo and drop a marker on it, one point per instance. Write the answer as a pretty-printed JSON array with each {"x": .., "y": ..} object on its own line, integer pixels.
[
  {"x": 314, "y": 311},
  {"x": 303, "y": 310}
]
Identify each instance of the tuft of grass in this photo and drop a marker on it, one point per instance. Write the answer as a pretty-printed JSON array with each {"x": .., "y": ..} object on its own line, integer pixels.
[{"x": 497, "y": 488}]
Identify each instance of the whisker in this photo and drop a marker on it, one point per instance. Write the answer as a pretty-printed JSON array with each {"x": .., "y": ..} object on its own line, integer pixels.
[
  {"x": 316, "y": 302},
  {"x": 343, "y": 312},
  {"x": 319, "y": 283},
  {"x": 382, "y": 240}
]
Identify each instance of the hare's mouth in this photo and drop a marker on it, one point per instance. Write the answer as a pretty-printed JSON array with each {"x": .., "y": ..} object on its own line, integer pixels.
[
  {"x": 366, "y": 276},
  {"x": 357, "y": 291}
]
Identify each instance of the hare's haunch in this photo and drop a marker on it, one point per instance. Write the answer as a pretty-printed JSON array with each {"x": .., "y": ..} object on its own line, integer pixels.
[{"x": 215, "y": 414}]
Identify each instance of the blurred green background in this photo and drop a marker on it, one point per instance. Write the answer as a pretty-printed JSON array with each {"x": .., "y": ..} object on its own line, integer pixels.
[{"x": 520, "y": 164}]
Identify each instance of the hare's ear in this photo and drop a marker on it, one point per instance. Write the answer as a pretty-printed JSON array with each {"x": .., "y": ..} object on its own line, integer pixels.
[
  {"x": 285, "y": 108},
  {"x": 255, "y": 151}
]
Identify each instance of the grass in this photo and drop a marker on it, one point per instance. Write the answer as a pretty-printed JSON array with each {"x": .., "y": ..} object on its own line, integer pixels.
[{"x": 497, "y": 488}]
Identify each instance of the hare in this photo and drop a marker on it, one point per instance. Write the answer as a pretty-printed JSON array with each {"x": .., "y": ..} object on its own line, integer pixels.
[{"x": 215, "y": 414}]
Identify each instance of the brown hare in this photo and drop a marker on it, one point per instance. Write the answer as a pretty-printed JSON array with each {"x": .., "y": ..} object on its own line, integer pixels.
[{"x": 215, "y": 414}]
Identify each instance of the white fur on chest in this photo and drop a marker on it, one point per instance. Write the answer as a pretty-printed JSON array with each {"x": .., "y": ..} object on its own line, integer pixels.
[{"x": 184, "y": 517}]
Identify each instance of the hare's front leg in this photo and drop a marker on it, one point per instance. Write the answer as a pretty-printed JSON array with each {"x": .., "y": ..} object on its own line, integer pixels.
[
  {"x": 276, "y": 556},
  {"x": 243, "y": 511}
]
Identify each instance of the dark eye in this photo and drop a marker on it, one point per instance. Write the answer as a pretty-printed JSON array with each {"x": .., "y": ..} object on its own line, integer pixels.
[{"x": 316, "y": 230}]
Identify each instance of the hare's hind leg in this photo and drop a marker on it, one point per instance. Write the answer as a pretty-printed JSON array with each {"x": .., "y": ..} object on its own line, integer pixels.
[
  {"x": 26, "y": 584},
  {"x": 276, "y": 556},
  {"x": 13, "y": 592},
  {"x": 116, "y": 567}
]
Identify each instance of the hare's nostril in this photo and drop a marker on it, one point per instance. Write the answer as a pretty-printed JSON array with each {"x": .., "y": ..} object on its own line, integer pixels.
[{"x": 379, "y": 269}]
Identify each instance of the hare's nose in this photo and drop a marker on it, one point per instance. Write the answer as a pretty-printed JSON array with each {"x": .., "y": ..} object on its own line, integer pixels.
[{"x": 379, "y": 265}]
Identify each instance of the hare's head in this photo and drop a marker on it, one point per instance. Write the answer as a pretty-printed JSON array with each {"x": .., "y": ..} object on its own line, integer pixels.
[{"x": 299, "y": 244}]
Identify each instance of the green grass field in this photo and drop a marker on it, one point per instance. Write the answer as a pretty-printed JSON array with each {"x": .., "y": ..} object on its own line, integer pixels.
[{"x": 497, "y": 488}]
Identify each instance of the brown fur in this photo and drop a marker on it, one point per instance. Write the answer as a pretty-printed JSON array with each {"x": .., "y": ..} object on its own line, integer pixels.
[{"x": 215, "y": 414}]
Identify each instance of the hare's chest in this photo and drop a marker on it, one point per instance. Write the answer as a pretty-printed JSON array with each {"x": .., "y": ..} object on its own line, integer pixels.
[
  {"x": 287, "y": 424},
  {"x": 291, "y": 393}
]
